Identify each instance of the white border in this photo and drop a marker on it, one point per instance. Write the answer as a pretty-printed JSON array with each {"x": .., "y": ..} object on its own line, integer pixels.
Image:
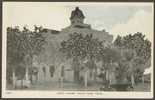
[{"x": 68, "y": 94}]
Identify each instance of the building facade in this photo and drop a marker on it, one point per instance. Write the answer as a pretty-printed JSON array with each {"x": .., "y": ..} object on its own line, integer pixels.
[{"x": 52, "y": 57}]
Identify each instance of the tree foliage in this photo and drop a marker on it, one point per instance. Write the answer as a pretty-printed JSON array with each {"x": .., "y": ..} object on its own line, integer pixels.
[
  {"x": 21, "y": 43},
  {"x": 79, "y": 46},
  {"x": 110, "y": 54},
  {"x": 136, "y": 42}
]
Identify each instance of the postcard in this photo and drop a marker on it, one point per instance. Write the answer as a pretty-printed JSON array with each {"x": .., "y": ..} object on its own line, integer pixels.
[{"x": 77, "y": 50}]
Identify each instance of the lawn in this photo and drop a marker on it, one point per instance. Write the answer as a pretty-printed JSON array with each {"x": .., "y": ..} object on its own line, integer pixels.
[{"x": 70, "y": 86}]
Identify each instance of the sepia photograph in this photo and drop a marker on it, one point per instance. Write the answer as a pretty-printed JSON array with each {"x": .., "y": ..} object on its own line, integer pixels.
[{"x": 64, "y": 49}]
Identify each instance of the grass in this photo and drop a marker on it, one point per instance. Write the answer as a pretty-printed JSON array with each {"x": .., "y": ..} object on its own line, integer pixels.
[{"x": 70, "y": 86}]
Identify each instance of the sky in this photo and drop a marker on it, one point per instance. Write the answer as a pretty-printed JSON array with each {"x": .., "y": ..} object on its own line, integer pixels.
[{"x": 115, "y": 18}]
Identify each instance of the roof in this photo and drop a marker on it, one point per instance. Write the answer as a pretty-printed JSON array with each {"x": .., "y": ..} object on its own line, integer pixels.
[
  {"x": 55, "y": 32},
  {"x": 51, "y": 31}
]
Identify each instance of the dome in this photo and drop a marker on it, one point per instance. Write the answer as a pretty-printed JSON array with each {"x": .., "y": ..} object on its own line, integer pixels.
[{"x": 77, "y": 13}]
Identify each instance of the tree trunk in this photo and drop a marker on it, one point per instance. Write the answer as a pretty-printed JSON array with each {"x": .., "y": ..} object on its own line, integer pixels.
[
  {"x": 76, "y": 70},
  {"x": 31, "y": 63},
  {"x": 95, "y": 74},
  {"x": 26, "y": 75},
  {"x": 132, "y": 80},
  {"x": 13, "y": 79},
  {"x": 107, "y": 78},
  {"x": 132, "y": 73},
  {"x": 107, "y": 75},
  {"x": 76, "y": 76},
  {"x": 31, "y": 79},
  {"x": 22, "y": 83},
  {"x": 86, "y": 79},
  {"x": 143, "y": 79}
]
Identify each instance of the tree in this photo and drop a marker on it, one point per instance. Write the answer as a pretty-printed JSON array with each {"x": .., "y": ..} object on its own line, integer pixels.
[
  {"x": 129, "y": 56},
  {"x": 35, "y": 43},
  {"x": 109, "y": 56},
  {"x": 21, "y": 46},
  {"x": 80, "y": 48},
  {"x": 13, "y": 55},
  {"x": 136, "y": 50}
]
